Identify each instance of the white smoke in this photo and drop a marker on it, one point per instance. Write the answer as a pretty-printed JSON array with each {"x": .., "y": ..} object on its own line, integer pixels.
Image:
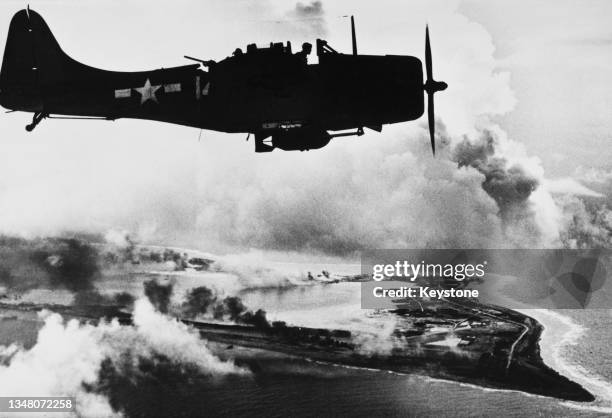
[
  {"x": 68, "y": 355},
  {"x": 119, "y": 239},
  {"x": 252, "y": 270},
  {"x": 378, "y": 340},
  {"x": 391, "y": 194}
]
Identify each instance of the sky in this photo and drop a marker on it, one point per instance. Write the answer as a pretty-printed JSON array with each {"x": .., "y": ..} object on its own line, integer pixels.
[
  {"x": 558, "y": 54},
  {"x": 533, "y": 72}
]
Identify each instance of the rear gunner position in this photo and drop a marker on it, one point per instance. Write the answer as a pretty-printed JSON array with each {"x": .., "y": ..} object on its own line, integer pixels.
[{"x": 270, "y": 92}]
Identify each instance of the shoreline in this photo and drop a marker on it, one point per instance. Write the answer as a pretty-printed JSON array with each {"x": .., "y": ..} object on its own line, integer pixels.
[
  {"x": 530, "y": 372},
  {"x": 559, "y": 332}
]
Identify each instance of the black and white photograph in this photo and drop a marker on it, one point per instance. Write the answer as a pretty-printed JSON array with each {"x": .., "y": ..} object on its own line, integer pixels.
[{"x": 313, "y": 208}]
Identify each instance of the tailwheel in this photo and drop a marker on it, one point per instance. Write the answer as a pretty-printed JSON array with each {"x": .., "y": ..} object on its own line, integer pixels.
[{"x": 36, "y": 119}]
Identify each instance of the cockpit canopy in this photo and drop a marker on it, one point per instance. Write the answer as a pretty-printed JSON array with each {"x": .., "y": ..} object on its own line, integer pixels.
[{"x": 276, "y": 54}]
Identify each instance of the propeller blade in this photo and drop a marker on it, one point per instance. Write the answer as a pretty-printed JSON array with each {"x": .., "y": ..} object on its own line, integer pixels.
[
  {"x": 353, "y": 36},
  {"x": 428, "y": 64},
  {"x": 432, "y": 122}
]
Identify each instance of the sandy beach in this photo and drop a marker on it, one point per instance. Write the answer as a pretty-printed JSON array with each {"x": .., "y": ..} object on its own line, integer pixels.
[{"x": 560, "y": 332}]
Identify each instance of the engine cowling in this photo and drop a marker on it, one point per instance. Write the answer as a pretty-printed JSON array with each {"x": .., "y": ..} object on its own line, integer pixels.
[{"x": 300, "y": 139}]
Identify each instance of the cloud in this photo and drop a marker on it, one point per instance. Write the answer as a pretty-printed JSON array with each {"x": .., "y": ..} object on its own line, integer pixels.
[
  {"x": 570, "y": 186},
  {"x": 600, "y": 41},
  {"x": 593, "y": 175}
]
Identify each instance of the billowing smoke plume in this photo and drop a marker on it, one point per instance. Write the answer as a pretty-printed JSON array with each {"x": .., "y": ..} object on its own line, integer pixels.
[
  {"x": 201, "y": 301},
  {"x": 579, "y": 216},
  {"x": 253, "y": 271},
  {"x": 95, "y": 298},
  {"x": 56, "y": 263},
  {"x": 390, "y": 194},
  {"x": 510, "y": 186},
  {"x": 66, "y": 263},
  {"x": 310, "y": 18},
  {"x": 120, "y": 246},
  {"x": 102, "y": 365},
  {"x": 312, "y": 9},
  {"x": 159, "y": 294},
  {"x": 588, "y": 220},
  {"x": 379, "y": 341}
]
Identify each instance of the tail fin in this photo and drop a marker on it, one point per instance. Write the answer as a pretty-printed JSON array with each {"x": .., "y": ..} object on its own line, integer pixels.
[{"x": 32, "y": 60}]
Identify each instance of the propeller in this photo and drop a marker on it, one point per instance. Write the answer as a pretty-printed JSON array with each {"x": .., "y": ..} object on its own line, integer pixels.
[
  {"x": 431, "y": 86},
  {"x": 353, "y": 36}
]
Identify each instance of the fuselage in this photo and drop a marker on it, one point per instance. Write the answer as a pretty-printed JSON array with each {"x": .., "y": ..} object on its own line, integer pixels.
[{"x": 258, "y": 90}]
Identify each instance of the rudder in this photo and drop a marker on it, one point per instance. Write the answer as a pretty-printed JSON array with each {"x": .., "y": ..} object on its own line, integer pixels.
[{"x": 32, "y": 61}]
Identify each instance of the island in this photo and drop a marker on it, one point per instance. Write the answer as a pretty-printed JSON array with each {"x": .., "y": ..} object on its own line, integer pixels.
[{"x": 469, "y": 342}]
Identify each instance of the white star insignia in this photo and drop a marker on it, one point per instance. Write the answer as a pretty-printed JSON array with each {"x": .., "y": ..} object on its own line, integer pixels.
[{"x": 147, "y": 92}]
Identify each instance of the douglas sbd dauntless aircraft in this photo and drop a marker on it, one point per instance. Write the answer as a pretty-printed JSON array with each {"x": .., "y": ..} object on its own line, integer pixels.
[{"x": 270, "y": 92}]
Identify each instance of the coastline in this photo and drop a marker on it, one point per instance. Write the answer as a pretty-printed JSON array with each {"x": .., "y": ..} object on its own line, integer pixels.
[
  {"x": 529, "y": 372},
  {"x": 559, "y": 332}
]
